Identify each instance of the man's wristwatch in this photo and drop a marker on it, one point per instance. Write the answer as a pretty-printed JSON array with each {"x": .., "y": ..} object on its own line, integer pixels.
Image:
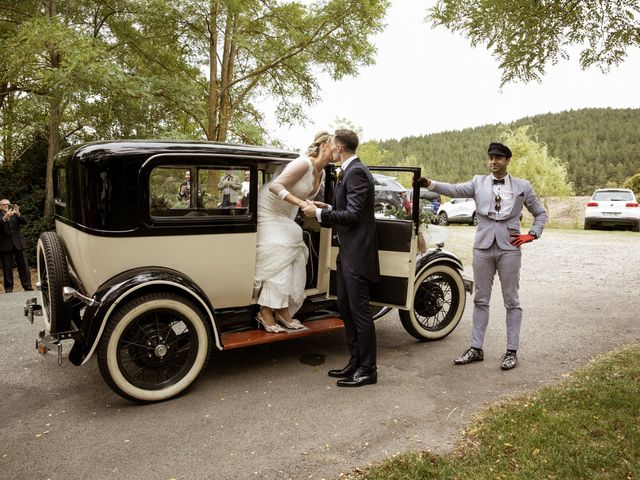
[{"x": 533, "y": 234}]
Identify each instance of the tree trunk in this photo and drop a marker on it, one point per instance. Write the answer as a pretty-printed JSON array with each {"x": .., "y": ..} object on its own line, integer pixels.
[
  {"x": 7, "y": 134},
  {"x": 226, "y": 76},
  {"x": 55, "y": 115},
  {"x": 212, "y": 111}
]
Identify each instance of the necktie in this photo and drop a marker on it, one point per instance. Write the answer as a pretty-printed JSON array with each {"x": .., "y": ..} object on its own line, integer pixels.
[{"x": 498, "y": 182}]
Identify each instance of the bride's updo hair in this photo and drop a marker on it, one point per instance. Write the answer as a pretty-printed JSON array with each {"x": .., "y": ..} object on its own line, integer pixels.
[{"x": 319, "y": 139}]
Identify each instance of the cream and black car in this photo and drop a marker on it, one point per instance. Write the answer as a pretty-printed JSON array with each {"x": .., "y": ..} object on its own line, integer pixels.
[{"x": 150, "y": 268}]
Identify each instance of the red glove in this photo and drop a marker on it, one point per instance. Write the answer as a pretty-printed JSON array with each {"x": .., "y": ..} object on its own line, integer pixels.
[{"x": 520, "y": 239}]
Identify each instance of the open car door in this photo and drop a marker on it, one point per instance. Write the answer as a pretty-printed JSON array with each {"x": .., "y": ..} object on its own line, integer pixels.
[{"x": 397, "y": 232}]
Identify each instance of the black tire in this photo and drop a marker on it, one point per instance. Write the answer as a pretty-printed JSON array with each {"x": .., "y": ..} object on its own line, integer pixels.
[
  {"x": 438, "y": 304},
  {"x": 636, "y": 228},
  {"x": 443, "y": 219},
  {"x": 474, "y": 220},
  {"x": 587, "y": 225},
  {"x": 53, "y": 275},
  {"x": 154, "y": 347}
]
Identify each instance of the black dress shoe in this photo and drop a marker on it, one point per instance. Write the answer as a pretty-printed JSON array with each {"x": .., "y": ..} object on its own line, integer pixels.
[
  {"x": 471, "y": 355},
  {"x": 345, "y": 372},
  {"x": 509, "y": 361},
  {"x": 8, "y": 290},
  {"x": 28, "y": 289},
  {"x": 363, "y": 376}
]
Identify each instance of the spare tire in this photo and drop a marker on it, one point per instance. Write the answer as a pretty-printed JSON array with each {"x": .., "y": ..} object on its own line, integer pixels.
[{"x": 53, "y": 275}]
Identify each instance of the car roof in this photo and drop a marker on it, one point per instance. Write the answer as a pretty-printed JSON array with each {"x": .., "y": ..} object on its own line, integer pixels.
[
  {"x": 613, "y": 190},
  {"x": 102, "y": 149}
]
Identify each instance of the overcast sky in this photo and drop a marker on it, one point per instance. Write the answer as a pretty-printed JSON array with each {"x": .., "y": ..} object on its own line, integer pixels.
[{"x": 428, "y": 80}]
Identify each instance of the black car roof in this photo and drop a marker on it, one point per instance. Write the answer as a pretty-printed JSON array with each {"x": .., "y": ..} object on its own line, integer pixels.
[{"x": 102, "y": 149}]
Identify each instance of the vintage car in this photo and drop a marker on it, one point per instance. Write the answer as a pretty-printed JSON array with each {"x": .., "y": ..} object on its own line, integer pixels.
[{"x": 151, "y": 267}]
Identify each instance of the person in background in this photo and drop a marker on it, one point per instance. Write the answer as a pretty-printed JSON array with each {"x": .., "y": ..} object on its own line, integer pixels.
[
  {"x": 13, "y": 246},
  {"x": 229, "y": 188},
  {"x": 185, "y": 188},
  {"x": 499, "y": 200},
  {"x": 243, "y": 200}
]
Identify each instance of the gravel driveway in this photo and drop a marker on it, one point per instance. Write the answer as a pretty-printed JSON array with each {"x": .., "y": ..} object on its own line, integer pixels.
[{"x": 270, "y": 412}]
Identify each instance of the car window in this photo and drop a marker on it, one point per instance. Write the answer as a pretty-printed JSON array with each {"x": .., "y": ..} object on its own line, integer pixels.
[
  {"x": 198, "y": 191},
  {"x": 612, "y": 196}
]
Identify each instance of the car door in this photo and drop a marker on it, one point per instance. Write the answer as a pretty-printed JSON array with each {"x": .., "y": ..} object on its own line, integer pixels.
[{"x": 397, "y": 248}]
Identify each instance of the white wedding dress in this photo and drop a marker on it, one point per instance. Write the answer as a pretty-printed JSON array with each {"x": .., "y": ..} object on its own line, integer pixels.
[{"x": 281, "y": 255}]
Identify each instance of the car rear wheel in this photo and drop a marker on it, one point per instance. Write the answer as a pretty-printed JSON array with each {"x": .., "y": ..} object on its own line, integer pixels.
[
  {"x": 438, "y": 304},
  {"x": 53, "y": 275},
  {"x": 636, "y": 228},
  {"x": 443, "y": 219},
  {"x": 587, "y": 225},
  {"x": 154, "y": 347},
  {"x": 474, "y": 220}
]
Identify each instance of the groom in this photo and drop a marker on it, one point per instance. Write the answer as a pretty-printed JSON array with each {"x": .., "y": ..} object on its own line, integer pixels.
[{"x": 353, "y": 221}]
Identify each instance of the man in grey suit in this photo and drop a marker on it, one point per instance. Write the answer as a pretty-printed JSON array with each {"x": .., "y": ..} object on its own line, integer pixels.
[{"x": 499, "y": 200}]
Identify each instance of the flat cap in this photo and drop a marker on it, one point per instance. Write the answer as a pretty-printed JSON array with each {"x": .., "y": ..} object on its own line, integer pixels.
[{"x": 499, "y": 149}]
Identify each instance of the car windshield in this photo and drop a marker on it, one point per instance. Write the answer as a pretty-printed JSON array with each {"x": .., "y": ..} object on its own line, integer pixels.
[{"x": 613, "y": 196}]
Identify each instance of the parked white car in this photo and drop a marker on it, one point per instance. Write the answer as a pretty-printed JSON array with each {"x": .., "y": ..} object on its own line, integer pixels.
[
  {"x": 612, "y": 207},
  {"x": 458, "y": 210}
]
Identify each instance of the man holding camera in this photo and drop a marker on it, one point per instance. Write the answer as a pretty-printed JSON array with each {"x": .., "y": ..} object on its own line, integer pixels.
[
  {"x": 13, "y": 245},
  {"x": 229, "y": 187}
]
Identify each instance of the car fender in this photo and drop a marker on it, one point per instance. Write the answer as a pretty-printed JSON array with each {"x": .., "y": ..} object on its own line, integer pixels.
[
  {"x": 440, "y": 256},
  {"x": 437, "y": 255},
  {"x": 122, "y": 288}
]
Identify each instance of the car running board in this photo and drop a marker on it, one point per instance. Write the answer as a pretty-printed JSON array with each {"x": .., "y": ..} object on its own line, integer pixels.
[{"x": 248, "y": 338}]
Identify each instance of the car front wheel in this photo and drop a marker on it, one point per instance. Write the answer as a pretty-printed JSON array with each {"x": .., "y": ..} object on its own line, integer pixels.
[
  {"x": 443, "y": 219},
  {"x": 438, "y": 303},
  {"x": 154, "y": 347},
  {"x": 474, "y": 220}
]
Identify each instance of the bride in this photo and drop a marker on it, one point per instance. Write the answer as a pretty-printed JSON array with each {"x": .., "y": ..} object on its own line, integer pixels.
[{"x": 281, "y": 255}]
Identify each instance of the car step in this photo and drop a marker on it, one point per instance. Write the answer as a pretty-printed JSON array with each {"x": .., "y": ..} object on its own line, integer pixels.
[{"x": 258, "y": 336}]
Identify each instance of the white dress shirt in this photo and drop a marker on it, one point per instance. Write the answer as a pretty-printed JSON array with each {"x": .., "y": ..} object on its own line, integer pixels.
[{"x": 342, "y": 167}]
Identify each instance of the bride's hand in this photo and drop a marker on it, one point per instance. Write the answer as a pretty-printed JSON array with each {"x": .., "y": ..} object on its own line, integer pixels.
[{"x": 320, "y": 204}]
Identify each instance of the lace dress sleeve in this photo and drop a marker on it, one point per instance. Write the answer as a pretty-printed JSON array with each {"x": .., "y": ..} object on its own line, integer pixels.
[{"x": 292, "y": 174}]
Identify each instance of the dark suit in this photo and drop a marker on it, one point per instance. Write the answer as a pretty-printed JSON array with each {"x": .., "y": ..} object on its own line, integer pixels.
[
  {"x": 353, "y": 221},
  {"x": 14, "y": 245}
]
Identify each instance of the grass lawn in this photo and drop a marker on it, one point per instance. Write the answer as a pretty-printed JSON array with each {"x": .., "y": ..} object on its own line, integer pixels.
[{"x": 588, "y": 427}]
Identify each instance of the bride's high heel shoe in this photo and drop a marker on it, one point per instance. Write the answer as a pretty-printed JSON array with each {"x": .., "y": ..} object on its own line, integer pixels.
[
  {"x": 275, "y": 328},
  {"x": 294, "y": 324}
]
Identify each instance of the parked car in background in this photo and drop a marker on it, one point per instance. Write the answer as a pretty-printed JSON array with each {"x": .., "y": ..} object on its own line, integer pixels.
[
  {"x": 612, "y": 207},
  {"x": 388, "y": 193},
  {"x": 458, "y": 210},
  {"x": 429, "y": 200}
]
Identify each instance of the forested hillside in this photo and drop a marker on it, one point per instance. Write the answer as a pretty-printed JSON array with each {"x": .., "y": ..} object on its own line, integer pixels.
[{"x": 601, "y": 147}]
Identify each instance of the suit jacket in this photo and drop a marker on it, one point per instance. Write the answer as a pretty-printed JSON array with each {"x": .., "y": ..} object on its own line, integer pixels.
[
  {"x": 353, "y": 220},
  {"x": 11, "y": 234},
  {"x": 490, "y": 229}
]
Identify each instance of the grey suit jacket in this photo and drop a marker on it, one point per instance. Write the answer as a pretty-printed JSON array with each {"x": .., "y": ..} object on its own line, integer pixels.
[{"x": 490, "y": 229}]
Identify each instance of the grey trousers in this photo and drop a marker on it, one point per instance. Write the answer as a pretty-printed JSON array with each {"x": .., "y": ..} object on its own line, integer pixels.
[{"x": 485, "y": 264}]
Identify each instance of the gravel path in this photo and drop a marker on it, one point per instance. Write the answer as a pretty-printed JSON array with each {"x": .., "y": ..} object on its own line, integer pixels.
[{"x": 270, "y": 412}]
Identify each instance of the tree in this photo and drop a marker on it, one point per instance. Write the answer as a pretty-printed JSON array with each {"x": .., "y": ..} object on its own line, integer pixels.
[
  {"x": 531, "y": 160},
  {"x": 256, "y": 49},
  {"x": 528, "y": 35},
  {"x": 91, "y": 69},
  {"x": 633, "y": 183}
]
